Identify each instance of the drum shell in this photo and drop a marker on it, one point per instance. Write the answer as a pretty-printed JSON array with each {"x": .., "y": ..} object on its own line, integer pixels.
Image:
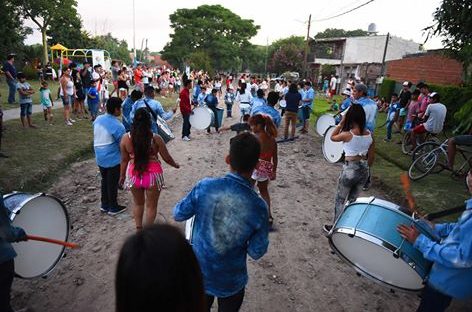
[
  {"x": 333, "y": 152},
  {"x": 164, "y": 130},
  {"x": 219, "y": 117},
  {"x": 375, "y": 222},
  {"x": 41, "y": 215}
]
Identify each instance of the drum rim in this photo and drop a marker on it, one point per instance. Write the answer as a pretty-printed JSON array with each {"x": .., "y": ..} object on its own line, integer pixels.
[
  {"x": 324, "y": 150},
  {"x": 316, "y": 124},
  {"x": 66, "y": 213},
  {"x": 367, "y": 274}
]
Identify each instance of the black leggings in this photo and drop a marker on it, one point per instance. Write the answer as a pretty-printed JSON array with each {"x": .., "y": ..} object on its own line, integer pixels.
[
  {"x": 229, "y": 304},
  {"x": 7, "y": 272}
]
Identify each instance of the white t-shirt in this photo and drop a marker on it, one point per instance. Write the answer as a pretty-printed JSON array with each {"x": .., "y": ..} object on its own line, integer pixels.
[
  {"x": 332, "y": 83},
  {"x": 436, "y": 113}
]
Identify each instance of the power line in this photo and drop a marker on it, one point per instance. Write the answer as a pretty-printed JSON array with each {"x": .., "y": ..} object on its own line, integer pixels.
[{"x": 349, "y": 11}]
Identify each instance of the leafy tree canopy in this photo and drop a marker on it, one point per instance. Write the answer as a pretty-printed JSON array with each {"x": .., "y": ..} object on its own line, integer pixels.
[
  {"x": 338, "y": 33},
  {"x": 11, "y": 24},
  {"x": 287, "y": 55},
  {"x": 118, "y": 49},
  {"x": 213, "y": 29}
]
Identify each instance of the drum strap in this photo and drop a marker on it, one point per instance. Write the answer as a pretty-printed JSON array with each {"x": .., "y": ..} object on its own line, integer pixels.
[{"x": 153, "y": 113}]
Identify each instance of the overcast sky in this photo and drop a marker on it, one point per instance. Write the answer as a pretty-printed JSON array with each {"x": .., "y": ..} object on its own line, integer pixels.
[{"x": 277, "y": 19}]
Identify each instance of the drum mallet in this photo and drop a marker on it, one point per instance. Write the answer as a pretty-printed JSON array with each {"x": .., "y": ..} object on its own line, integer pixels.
[{"x": 52, "y": 241}]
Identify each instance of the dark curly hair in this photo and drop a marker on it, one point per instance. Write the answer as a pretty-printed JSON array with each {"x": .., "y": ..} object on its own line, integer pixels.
[{"x": 141, "y": 137}]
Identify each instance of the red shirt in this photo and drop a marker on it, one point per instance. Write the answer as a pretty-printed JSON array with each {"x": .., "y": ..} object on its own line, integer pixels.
[
  {"x": 138, "y": 75},
  {"x": 185, "y": 108}
]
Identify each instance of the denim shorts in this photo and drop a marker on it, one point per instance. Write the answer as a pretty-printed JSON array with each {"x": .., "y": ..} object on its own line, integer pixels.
[
  {"x": 70, "y": 98},
  {"x": 306, "y": 111},
  {"x": 26, "y": 109}
]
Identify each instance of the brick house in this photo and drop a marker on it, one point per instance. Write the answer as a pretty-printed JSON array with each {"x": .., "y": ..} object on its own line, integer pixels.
[{"x": 432, "y": 66}]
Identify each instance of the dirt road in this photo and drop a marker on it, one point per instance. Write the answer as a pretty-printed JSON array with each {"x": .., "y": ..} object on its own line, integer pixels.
[{"x": 297, "y": 274}]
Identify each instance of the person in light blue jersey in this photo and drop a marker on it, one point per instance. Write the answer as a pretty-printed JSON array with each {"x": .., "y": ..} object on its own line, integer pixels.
[
  {"x": 451, "y": 274},
  {"x": 107, "y": 134},
  {"x": 127, "y": 106},
  {"x": 259, "y": 100},
  {"x": 308, "y": 99},
  {"x": 230, "y": 223},
  {"x": 269, "y": 109},
  {"x": 154, "y": 107},
  {"x": 202, "y": 96}
]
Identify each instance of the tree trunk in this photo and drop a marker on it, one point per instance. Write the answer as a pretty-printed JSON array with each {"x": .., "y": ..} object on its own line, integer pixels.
[{"x": 45, "y": 46}]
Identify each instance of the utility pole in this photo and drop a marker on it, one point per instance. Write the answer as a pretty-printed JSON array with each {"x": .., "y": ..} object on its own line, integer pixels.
[
  {"x": 305, "y": 62},
  {"x": 266, "y": 55},
  {"x": 134, "y": 35},
  {"x": 382, "y": 72}
]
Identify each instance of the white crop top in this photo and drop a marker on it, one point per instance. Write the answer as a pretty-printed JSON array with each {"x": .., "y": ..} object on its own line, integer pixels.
[{"x": 358, "y": 146}]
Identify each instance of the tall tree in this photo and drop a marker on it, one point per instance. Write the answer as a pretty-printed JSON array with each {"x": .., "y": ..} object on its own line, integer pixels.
[
  {"x": 212, "y": 29},
  {"x": 453, "y": 21},
  {"x": 43, "y": 12},
  {"x": 118, "y": 49},
  {"x": 287, "y": 55},
  {"x": 339, "y": 33},
  {"x": 67, "y": 30},
  {"x": 11, "y": 27}
]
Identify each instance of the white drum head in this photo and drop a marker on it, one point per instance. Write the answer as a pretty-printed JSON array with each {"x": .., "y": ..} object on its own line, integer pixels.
[
  {"x": 324, "y": 122},
  {"x": 283, "y": 103},
  {"x": 201, "y": 118},
  {"x": 332, "y": 151},
  {"x": 377, "y": 262},
  {"x": 41, "y": 216}
]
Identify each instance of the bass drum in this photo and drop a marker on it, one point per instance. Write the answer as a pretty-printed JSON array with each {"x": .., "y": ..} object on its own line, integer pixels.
[
  {"x": 324, "y": 122},
  {"x": 219, "y": 116},
  {"x": 365, "y": 236},
  {"x": 332, "y": 151},
  {"x": 201, "y": 118},
  {"x": 43, "y": 215},
  {"x": 164, "y": 130}
]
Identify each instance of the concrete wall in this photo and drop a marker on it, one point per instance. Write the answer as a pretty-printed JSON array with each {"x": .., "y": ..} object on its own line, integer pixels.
[
  {"x": 371, "y": 49},
  {"x": 432, "y": 68}
]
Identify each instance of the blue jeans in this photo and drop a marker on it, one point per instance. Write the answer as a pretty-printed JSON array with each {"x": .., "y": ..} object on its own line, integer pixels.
[
  {"x": 26, "y": 109},
  {"x": 229, "y": 109},
  {"x": 11, "y": 90},
  {"x": 389, "y": 129},
  {"x": 93, "y": 109}
]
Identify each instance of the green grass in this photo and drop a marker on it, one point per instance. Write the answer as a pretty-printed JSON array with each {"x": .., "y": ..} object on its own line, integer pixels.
[
  {"x": 53, "y": 86},
  {"x": 433, "y": 193},
  {"x": 37, "y": 156}
]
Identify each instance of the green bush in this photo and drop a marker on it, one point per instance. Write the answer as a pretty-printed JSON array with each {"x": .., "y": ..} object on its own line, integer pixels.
[
  {"x": 30, "y": 72},
  {"x": 464, "y": 118},
  {"x": 386, "y": 89},
  {"x": 454, "y": 98}
]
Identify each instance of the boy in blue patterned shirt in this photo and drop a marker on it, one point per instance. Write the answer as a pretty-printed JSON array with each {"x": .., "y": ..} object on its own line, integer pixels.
[{"x": 230, "y": 223}]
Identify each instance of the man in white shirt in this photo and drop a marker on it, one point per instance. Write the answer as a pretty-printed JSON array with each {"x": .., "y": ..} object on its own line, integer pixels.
[
  {"x": 332, "y": 86},
  {"x": 435, "y": 114}
]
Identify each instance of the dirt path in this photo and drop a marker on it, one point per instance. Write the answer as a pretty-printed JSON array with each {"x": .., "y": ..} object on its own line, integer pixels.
[{"x": 297, "y": 274}]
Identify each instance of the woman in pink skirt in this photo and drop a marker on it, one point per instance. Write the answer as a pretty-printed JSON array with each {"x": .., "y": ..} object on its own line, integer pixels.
[{"x": 141, "y": 169}]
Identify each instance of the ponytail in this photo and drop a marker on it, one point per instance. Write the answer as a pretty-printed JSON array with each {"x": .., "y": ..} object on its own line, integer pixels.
[{"x": 266, "y": 122}]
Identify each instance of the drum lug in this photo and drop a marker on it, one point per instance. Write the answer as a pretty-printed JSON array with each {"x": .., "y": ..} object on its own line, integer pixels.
[{"x": 413, "y": 265}]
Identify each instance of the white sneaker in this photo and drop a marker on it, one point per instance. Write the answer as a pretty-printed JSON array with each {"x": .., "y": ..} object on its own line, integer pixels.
[
  {"x": 185, "y": 139},
  {"x": 68, "y": 123},
  {"x": 71, "y": 120}
]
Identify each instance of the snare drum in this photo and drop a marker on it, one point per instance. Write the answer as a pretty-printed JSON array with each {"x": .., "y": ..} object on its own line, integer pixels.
[
  {"x": 324, "y": 122},
  {"x": 201, "y": 118},
  {"x": 43, "y": 215},
  {"x": 283, "y": 103},
  {"x": 365, "y": 236},
  {"x": 333, "y": 152},
  {"x": 163, "y": 130}
]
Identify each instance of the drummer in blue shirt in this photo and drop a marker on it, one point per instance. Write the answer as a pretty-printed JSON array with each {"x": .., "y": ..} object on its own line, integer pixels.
[
  {"x": 127, "y": 106},
  {"x": 269, "y": 109},
  {"x": 153, "y": 105},
  {"x": 451, "y": 273},
  {"x": 8, "y": 234},
  {"x": 308, "y": 98},
  {"x": 259, "y": 100}
]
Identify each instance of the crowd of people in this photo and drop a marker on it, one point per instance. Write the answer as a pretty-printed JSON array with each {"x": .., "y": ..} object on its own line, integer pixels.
[{"x": 156, "y": 266}]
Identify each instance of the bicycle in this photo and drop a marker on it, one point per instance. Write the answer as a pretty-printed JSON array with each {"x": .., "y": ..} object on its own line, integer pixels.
[
  {"x": 431, "y": 157},
  {"x": 407, "y": 148}
]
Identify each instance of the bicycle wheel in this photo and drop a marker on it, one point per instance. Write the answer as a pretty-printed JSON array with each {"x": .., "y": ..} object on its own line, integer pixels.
[
  {"x": 406, "y": 143},
  {"x": 427, "y": 148},
  {"x": 422, "y": 165}
]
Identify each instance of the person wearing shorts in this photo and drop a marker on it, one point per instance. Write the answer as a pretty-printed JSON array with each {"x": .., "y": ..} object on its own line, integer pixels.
[
  {"x": 461, "y": 140},
  {"x": 26, "y": 101}
]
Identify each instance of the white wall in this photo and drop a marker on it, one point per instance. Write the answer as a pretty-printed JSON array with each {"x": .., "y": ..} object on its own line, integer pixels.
[{"x": 371, "y": 49}]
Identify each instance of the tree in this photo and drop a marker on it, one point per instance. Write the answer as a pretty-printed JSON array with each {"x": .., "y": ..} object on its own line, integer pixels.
[
  {"x": 254, "y": 58},
  {"x": 67, "y": 30},
  {"x": 212, "y": 29},
  {"x": 453, "y": 21},
  {"x": 339, "y": 33},
  {"x": 287, "y": 55},
  {"x": 201, "y": 60},
  {"x": 11, "y": 27},
  {"x": 43, "y": 12},
  {"x": 118, "y": 49}
]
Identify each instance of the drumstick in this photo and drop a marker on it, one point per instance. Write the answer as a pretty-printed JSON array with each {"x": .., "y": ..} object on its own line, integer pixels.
[
  {"x": 405, "y": 180},
  {"x": 52, "y": 241}
]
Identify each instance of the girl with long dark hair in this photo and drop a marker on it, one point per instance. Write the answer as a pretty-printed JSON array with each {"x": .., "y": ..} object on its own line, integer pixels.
[
  {"x": 141, "y": 169},
  {"x": 264, "y": 128},
  {"x": 358, "y": 148}
]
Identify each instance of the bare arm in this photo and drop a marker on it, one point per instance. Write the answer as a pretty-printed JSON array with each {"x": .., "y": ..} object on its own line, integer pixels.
[
  {"x": 164, "y": 152},
  {"x": 371, "y": 153},
  {"x": 124, "y": 159},
  {"x": 275, "y": 159}
]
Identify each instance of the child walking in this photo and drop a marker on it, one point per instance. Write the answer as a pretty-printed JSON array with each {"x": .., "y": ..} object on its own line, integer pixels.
[
  {"x": 230, "y": 96},
  {"x": 264, "y": 128},
  {"x": 46, "y": 101}
]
